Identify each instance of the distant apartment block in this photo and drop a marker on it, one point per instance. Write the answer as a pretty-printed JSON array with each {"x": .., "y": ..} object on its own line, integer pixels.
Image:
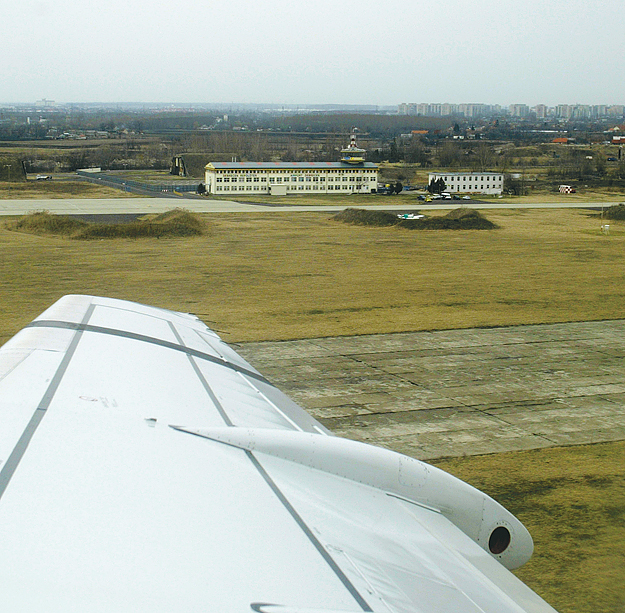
[
  {"x": 540, "y": 111},
  {"x": 470, "y": 182},
  {"x": 443, "y": 110},
  {"x": 519, "y": 110}
]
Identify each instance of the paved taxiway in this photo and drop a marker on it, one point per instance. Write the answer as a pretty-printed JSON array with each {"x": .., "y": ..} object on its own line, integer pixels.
[
  {"x": 113, "y": 206},
  {"x": 457, "y": 392}
]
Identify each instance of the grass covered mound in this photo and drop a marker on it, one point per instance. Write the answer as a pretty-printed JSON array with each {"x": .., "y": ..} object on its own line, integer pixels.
[
  {"x": 616, "y": 212},
  {"x": 176, "y": 223},
  {"x": 362, "y": 217},
  {"x": 457, "y": 219},
  {"x": 43, "y": 222}
]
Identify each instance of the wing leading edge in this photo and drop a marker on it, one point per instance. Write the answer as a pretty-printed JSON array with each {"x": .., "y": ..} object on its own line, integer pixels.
[{"x": 143, "y": 463}]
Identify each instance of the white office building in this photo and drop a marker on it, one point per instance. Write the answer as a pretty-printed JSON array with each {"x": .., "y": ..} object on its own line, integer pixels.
[
  {"x": 282, "y": 178},
  {"x": 470, "y": 182}
]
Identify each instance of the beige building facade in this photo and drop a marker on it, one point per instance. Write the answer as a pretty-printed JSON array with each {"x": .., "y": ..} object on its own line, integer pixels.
[{"x": 280, "y": 178}]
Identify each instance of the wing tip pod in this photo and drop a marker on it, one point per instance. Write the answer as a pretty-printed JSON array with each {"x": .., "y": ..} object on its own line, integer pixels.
[{"x": 480, "y": 517}]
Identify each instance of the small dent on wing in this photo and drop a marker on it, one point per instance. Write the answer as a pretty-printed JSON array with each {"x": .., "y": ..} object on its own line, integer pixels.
[
  {"x": 150, "y": 421},
  {"x": 88, "y": 398}
]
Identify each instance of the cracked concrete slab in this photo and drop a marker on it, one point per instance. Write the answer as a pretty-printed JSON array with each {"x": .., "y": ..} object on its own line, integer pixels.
[{"x": 459, "y": 392}]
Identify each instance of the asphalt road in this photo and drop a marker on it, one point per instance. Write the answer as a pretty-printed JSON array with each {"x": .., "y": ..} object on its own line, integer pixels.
[{"x": 116, "y": 206}]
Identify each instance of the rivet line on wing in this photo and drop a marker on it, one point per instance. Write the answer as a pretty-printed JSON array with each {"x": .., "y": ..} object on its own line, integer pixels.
[{"x": 147, "y": 339}]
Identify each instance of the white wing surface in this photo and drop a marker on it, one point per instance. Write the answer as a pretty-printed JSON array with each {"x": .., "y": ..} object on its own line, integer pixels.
[{"x": 145, "y": 466}]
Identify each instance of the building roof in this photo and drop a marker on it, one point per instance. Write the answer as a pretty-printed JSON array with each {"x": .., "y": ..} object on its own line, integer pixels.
[
  {"x": 465, "y": 172},
  {"x": 285, "y": 165}
]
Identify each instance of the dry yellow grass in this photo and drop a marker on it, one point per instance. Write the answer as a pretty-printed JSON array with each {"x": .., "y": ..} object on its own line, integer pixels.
[
  {"x": 275, "y": 276},
  {"x": 32, "y": 190},
  {"x": 268, "y": 276},
  {"x": 572, "y": 500}
]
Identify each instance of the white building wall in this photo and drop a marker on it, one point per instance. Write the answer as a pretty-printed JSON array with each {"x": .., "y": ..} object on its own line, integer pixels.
[{"x": 470, "y": 182}]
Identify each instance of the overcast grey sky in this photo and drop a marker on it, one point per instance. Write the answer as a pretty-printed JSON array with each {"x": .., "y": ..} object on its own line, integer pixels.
[{"x": 322, "y": 51}]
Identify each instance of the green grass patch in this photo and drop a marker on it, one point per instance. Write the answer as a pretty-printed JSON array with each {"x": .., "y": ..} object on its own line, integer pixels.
[
  {"x": 457, "y": 219},
  {"x": 176, "y": 223}
]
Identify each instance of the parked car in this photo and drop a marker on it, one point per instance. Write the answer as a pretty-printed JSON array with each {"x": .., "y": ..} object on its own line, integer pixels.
[
  {"x": 466, "y": 197},
  {"x": 44, "y": 178}
]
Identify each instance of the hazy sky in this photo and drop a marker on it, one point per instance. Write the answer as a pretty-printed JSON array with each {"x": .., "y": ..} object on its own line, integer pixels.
[{"x": 321, "y": 51}]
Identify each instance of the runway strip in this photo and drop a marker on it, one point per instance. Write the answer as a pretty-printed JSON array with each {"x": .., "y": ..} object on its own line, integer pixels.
[{"x": 116, "y": 206}]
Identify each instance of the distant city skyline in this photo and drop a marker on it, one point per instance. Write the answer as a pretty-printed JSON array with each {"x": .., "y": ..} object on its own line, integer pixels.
[{"x": 326, "y": 52}]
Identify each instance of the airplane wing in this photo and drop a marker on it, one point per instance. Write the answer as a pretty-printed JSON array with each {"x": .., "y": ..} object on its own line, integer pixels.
[{"x": 145, "y": 466}]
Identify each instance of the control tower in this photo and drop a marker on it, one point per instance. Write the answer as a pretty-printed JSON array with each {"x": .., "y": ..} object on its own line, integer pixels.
[{"x": 353, "y": 154}]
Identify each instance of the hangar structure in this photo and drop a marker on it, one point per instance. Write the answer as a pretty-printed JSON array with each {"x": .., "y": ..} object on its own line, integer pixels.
[{"x": 280, "y": 178}]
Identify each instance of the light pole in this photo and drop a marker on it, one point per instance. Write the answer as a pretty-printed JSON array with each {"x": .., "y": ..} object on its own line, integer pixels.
[{"x": 9, "y": 180}]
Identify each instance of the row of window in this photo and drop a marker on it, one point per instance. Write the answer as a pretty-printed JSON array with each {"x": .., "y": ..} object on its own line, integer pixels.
[
  {"x": 249, "y": 188},
  {"x": 499, "y": 179},
  {"x": 470, "y": 187},
  {"x": 293, "y": 179}
]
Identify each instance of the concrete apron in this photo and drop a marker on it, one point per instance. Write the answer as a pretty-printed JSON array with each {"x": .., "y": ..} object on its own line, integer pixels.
[{"x": 459, "y": 392}]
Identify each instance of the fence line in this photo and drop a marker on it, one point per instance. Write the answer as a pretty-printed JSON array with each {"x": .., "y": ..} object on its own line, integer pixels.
[{"x": 129, "y": 184}]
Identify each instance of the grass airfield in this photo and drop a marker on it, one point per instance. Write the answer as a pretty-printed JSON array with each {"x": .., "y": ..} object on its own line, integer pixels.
[{"x": 290, "y": 276}]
